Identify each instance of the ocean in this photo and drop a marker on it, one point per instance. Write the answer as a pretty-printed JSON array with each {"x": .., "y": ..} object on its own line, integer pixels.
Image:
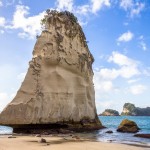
[{"x": 112, "y": 122}]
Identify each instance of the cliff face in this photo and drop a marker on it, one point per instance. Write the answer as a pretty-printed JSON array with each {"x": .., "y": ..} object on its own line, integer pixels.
[
  {"x": 110, "y": 112},
  {"x": 130, "y": 110},
  {"x": 58, "y": 87}
]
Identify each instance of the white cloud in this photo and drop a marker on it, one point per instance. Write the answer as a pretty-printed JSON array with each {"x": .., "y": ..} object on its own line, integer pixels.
[
  {"x": 102, "y": 86},
  {"x": 138, "y": 8},
  {"x": 143, "y": 45},
  {"x": 4, "y": 99},
  {"x": 84, "y": 9},
  {"x": 92, "y": 7},
  {"x": 147, "y": 72},
  {"x": 102, "y": 105},
  {"x": 104, "y": 77},
  {"x": 21, "y": 76},
  {"x": 30, "y": 26},
  {"x": 129, "y": 71},
  {"x": 105, "y": 104},
  {"x": 137, "y": 89},
  {"x": 126, "y": 4},
  {"x": 1, "y": 3},
  {"x": 126, "y": 70},
  {"x": 1, "y": 31},
  {"x": 126, "y": 37},
  {"x": 132, "y": 7},
  {"x": 133, "y": 81},
  {"x": 3, "y": 96},
  {"x": 128, "y": 67},
  {"x": 98, "y": 4},
  {"x": 2, "y": 21},
  {"x": 23, "y": 35},
  {"x": 141, "y": 37},
  {"x": 64, "y": 5},
  {"x": 121, "y": 59},
  {"x": 103, "y": 82},
  {"x": 108, "y": 74},
  {"x": 10, "y": 2},
  {"x": 125, "y": 23}
]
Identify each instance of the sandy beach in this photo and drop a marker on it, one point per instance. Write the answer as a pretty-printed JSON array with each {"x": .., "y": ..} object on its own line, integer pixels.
[{"x": 59, "y": 143}]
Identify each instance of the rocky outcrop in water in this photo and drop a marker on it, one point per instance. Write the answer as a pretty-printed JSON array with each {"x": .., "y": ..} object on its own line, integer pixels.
[
  {"x": 130, "y": 110},
  {"x": 128, "y": 126},
  {"x": 143, "y": 136},
  {"x": 58, "y": 90},
  {"x": 109, "y": 112}
]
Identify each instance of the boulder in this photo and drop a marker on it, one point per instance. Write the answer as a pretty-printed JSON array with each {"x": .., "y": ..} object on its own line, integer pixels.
[
  {"x": 128, "y": 126},
  {"x": 58, "y": 90},
  {"x": 109, "y": 131}
]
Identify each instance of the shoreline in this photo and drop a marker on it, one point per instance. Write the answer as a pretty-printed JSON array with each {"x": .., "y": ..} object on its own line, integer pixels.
[{"x": 15, "y": 141}]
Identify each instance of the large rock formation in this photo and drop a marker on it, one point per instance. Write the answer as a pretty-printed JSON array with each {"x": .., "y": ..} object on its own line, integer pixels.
[
  {"x": 130, "y": 110},
  {"x": 58, "y": 88},
  {"x": 109, "y": 112}
]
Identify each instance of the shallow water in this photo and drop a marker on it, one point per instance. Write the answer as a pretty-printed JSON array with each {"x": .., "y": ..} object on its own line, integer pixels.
[
  {"x": 112, "y": 122},
  {"x": 5, "y": 130}
]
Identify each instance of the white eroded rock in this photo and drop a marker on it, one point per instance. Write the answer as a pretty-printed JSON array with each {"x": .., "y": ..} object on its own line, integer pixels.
[{"x": 58, "y": 86}]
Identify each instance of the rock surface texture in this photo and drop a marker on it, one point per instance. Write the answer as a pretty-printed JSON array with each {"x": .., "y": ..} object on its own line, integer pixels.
[
  {"x": 128, "y": 126},
  {"x": 58, "y": 88},
  {"x": 130, "y": 110},
  {"x": 109, "y": 112}
]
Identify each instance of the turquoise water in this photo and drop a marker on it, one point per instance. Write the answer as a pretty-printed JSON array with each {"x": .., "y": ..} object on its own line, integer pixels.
[
  {"x": 112, "y": 123},
  {"x": 5, "y": 130}
]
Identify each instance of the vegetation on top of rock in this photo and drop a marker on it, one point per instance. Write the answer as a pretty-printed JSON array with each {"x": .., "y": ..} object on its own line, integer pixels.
[
  {"x": 130, "y": 110},
  {"x": 110, "y": 112},
  {"x": 49, "y": 13}
]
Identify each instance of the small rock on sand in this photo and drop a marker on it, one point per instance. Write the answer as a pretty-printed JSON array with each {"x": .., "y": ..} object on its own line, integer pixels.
[
  {"x": 42, "y": 140},
  {"x": 38, "y": 135},
  {"x": 11, "y": 137},
  {"x": 76, "y": 137}
]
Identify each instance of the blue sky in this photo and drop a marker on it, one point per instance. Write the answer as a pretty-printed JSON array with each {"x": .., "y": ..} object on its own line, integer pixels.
[{"x": 119, "y": 39}]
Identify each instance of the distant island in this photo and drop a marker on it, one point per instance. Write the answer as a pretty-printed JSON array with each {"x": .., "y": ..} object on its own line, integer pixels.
[
  {"x": 130, "y": 109},
  {"x": 109, "y": 112}
]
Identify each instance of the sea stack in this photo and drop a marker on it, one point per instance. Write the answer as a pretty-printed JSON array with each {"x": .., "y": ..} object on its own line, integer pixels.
[{"x": 58, "y": 90}]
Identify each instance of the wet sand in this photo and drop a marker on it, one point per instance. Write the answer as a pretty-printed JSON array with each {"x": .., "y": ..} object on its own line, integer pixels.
[{"x": 60, "y": 143}]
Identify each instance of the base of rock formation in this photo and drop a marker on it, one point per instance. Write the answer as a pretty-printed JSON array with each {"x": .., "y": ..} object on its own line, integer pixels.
[{"x": 61, "y": 127}]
